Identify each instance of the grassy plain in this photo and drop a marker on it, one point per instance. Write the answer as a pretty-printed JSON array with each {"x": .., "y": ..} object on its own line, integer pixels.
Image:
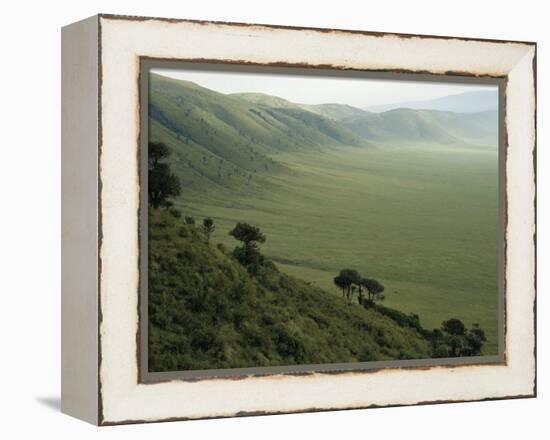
[{"x": 423, "y": 219}]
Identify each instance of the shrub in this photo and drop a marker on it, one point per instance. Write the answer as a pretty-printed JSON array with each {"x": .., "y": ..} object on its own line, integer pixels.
[
  {"x": 175, "y": 212},
  {"x": 403, "y": 320}
]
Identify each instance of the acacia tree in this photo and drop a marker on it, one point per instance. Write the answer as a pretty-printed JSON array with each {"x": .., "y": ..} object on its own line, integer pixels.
[
  {"x": 340, "y": 282},
  {"x": 248, "y": 255},
  {"x": 360, "y": 288},
  {"x": 163, "y": 183},
  {"x": 248, "y": 234},
  {"x": 374, "y": 289},
  {"x": 347, "y": 279},
  {"x": 353, "y": 290},
  {"x": 208, "y": 227},
  {"x": 454, "y": 327}
]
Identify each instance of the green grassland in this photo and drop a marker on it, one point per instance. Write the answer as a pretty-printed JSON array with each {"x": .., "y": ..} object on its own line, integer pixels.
[
  {"x": 422, "y": 220},
  {"x": 409, "y": 198}
]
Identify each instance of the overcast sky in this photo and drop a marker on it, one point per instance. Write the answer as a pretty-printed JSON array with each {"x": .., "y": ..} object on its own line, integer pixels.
[{"x": 304, "y": 89}]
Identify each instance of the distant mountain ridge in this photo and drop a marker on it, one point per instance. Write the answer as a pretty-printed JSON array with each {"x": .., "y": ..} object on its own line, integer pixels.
[
  {"x": 230, "y": 140},
  {"x": 468, "y": 102},
  {"x": 402, "y": 124},
  {"x": 330, "y": 110},
  {"x": 407, "y": 125}
]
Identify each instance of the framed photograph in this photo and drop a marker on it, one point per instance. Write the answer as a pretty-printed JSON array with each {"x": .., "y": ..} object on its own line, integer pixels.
[{"x": 264, "y": 219}]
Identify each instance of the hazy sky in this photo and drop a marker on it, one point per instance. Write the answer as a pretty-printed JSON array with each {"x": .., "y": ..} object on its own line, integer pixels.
[{"x": 320, "y": 90}]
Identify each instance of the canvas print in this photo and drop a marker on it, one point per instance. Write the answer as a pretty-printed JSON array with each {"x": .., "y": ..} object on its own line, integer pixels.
[{"x": 299, "y": 219}]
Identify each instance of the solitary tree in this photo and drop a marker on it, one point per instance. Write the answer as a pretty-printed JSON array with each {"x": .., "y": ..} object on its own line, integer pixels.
[
  {"x": 249, "y": 254},
  {"x": 208, "y": 226},
  {"x": 248, "y": 234},
  {"x": 163, "y": 183}
]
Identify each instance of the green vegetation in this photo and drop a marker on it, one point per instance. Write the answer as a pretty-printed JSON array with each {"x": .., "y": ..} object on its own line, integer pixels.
[
  {"x": 403, "y": 124},
  {"x": 408, "y": 197},
  {"x": 422, "y": 221},
  {"x": 350, "y": 281},
  {"x": 248, "y": 255},
  {"x": 222, "y": 141},
  {"x": 207, "y": 311},
  {"x": 374, "y": 289},
  {"x": 452, "y": 339},
  {"x": 208, "y": 227},
  {"x": 163, "y": 184}
]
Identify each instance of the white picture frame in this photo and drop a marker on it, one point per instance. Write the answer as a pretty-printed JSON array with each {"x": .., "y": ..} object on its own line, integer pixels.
[{"x": 101, "y": 59}]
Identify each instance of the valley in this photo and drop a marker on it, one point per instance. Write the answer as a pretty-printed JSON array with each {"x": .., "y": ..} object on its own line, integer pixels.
[{"x": 408, "y": 197}]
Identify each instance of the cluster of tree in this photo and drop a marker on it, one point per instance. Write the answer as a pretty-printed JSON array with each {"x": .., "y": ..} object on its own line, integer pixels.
[
  {"x": 163, "y": 185},
  {"x": 350, "y": 281},
  {"x": 452, "y": 339}
]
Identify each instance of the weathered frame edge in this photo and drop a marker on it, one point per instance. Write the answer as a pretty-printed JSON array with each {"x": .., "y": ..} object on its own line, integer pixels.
[
  {"x": 101, "y": 420},
  {"x": 80, "y": 198}
]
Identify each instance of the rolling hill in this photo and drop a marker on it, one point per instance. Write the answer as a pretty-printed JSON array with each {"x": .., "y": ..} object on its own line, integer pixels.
[
  {"x": 222, "y": 140},
  {"x": 331, "y": 111},
  {"x": 230, "y": 141},
  {"x": 407, "y": 125},
  {"x": 403, "y": 124}
]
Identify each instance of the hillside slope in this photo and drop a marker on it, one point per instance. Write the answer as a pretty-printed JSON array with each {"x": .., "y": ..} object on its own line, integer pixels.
[
  {"x": 227, "y": 141},
  {"x": 206, "y": 311},
  {"x": 230, "y": 142},
  {"x": 333, "y": 111},
  {"x": 400, "y": 124}
]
